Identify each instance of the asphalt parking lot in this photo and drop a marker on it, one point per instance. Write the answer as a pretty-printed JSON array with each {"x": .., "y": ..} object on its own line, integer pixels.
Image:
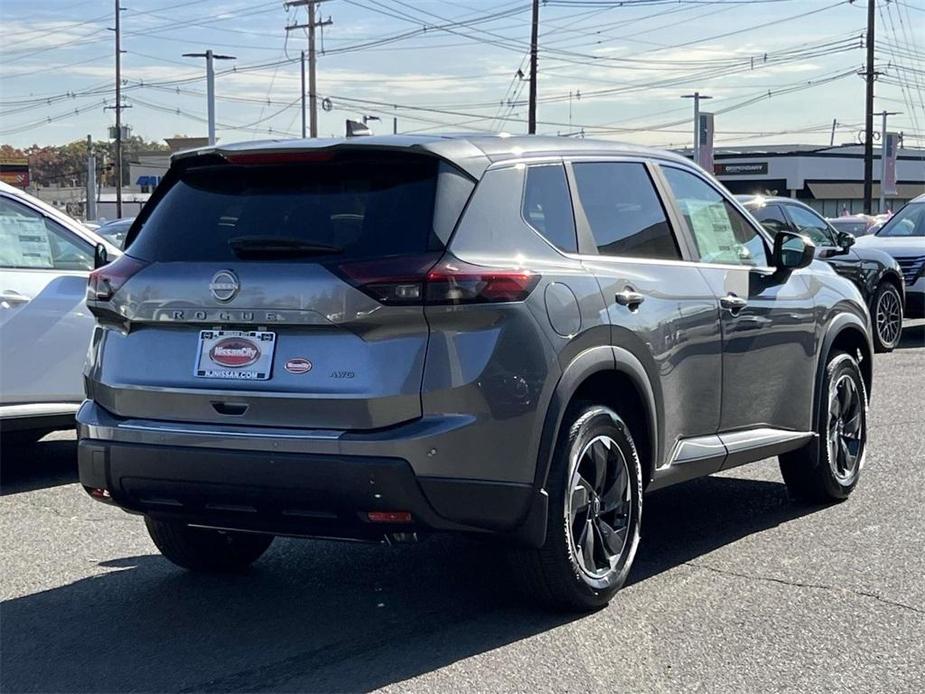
[{"x": 734, "y": 589}]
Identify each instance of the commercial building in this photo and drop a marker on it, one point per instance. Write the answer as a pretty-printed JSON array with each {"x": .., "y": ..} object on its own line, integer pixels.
[{"x": 830, "y": 179}]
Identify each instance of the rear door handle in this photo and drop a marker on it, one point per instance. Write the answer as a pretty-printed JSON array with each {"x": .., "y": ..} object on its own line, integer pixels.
[
  {"x": 629, "y": 298},
  {"x": 733, "y": 303}
]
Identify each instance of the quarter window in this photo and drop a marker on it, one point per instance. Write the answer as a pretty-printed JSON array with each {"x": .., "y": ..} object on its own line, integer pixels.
[
  {"x": 721, "y": 233},
  {"x": 624, "y": 211},
  {"x": 28, "y": 240},
  {"x": 547, "y": 206}
]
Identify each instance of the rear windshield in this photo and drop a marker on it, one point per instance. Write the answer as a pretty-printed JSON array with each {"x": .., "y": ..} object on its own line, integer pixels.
[{"x": 365, "y": 206}]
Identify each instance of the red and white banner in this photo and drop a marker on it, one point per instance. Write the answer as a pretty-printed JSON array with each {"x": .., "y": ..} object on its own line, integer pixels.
[
  {"x": 890, "y": 147},
  {"x": 706, "y": 142}
]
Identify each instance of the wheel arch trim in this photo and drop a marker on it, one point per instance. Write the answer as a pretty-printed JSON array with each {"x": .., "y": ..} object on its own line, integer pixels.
[
  {"x": 840, "y": 325},
  {"x": 598, "y": 359}
]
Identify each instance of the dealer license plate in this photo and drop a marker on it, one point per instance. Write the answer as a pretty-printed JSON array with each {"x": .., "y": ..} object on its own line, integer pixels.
[{"x": 244, "y": 355}]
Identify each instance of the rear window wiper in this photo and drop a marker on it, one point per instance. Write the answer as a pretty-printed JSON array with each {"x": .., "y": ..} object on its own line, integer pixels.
[{"x": 275, "y": 247}]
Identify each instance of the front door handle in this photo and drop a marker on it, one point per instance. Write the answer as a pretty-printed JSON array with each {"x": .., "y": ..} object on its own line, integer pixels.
[
  {"x": 11, "y": 298},
  {"x": 629, "y": 298},
  {"x": 733, "y": 303}
]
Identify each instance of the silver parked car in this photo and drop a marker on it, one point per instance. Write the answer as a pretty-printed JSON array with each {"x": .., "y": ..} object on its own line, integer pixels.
[
  {"x": 45, "y": 327},
  {"x": 515, "y": 336}
]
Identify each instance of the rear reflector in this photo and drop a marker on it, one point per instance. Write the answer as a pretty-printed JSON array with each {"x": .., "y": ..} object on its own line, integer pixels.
[
  {"x": 99, "y": 494},
  {"x": 421, "y": 279},
  {"x": 389, "y": 517},
  {"x": 104, "y": 282}
]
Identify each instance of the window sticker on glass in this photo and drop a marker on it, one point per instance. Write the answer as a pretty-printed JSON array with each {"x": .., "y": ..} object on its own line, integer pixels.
[
  {"x": 715, "y": 236},
  {"x": 24, "y": 243}
]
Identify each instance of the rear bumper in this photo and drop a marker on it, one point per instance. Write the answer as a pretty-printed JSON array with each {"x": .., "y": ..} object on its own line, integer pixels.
[{"x": 291, "y": 492}]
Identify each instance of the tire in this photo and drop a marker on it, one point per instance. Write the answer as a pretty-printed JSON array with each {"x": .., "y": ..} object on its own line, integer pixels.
[
  {"x": 568, "y": 572},
  {"x": 886, "y": 315},
  {"x": 201, "y": 549},
  {"x": 818, "y": 472}
]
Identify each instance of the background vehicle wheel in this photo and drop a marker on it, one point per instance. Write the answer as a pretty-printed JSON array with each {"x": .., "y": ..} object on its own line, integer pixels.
[
  {"x": 828, "y": 468},
  {"x": 886, "y": 313},
  {"x": 199, "y": 549},
  {"x": 595, "y": 507}
]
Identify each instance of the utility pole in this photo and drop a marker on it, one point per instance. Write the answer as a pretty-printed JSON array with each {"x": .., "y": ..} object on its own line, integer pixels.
[
  {"x": 303, "y": 95},
  {"x": 118, "y": 111},
  {"x": 884, "y": 115},
  {"x": 90, "y": 211},
  {"x": 311, "y": 25},
  {"x": 832, "y": 136},
  {"x": 210, "y": 84},
  {"x": 534, "y": 38},
  {"x": 869, "y": 112},
  {"x": 697, "y": 97}
]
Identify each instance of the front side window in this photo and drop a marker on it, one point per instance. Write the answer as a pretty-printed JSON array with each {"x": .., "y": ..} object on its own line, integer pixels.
[
  {"x": 624, "y": 211},
  {"x": 29, "y": 240},
  {"x": 810, "y": 224},
  {"x": 909, "y": 221},
  {"x": 547, "y": 206},
  {"x": 721, "y": 233},
  {"x": 772, "y": 218}
]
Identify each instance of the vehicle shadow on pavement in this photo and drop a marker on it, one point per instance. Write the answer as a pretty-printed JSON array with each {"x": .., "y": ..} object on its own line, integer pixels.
[
  {"x": 319, "y": 616},
  {"x": 25, "y": 468}
]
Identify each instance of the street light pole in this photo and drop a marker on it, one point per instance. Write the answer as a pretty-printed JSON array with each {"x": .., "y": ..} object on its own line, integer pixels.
[
  {"x": 884, "y": 114},
  {"x": 696, "y": 96},
  {"x": 210, "y": 84}
]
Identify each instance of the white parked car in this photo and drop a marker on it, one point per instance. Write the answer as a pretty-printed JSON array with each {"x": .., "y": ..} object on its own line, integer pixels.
[{"x": 45, "y": 328}]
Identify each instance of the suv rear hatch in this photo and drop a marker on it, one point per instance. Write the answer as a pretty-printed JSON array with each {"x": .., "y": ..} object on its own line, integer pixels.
[{"x": 277, "y": 289}]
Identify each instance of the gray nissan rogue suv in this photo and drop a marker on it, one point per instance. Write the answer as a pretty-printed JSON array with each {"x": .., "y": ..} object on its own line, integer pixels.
[{"x": 515, "y": 336}]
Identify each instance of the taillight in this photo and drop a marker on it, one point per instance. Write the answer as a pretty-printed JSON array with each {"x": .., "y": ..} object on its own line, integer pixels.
[
  {"x": 453, "y": 282},
  {"x": 417, "y": 280},
  {"x": 397, "y": 281},
  {"x": 106, "y": 281}
]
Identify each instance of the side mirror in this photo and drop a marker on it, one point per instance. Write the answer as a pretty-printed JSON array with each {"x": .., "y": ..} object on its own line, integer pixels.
[
  {"x": 845, "y": 240},
  {"x": 792, "y": 251},
  {"x": 100, "y": 256}
]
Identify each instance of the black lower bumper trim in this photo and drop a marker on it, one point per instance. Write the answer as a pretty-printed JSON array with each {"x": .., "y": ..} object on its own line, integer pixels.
[{"x": 292, "y": 494}]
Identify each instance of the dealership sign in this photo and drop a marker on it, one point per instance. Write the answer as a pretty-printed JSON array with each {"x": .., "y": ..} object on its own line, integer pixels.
[
  {"x": 754, "y": 168},
  {"x": 706, "y": 141},
  {"x": 890, "y": 145}
]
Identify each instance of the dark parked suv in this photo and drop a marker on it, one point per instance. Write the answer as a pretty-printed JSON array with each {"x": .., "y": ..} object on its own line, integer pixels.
[
  {"x": 877, "y": 274},
  {"x": 515, "y": 336}
]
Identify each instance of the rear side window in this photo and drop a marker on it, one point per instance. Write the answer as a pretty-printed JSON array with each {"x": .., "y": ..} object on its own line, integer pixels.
[
  {"x": 547, "y": 206},
  {"x": 355, "y": 205},
  {"x": 623, "y": 210}
]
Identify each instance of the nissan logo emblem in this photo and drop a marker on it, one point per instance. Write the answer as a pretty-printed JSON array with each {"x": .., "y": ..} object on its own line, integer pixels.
[{"x": 224, "y": 285}]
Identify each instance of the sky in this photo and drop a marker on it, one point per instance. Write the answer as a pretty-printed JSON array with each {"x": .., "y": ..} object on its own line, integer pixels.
[{"x": 779, "y": 71}]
